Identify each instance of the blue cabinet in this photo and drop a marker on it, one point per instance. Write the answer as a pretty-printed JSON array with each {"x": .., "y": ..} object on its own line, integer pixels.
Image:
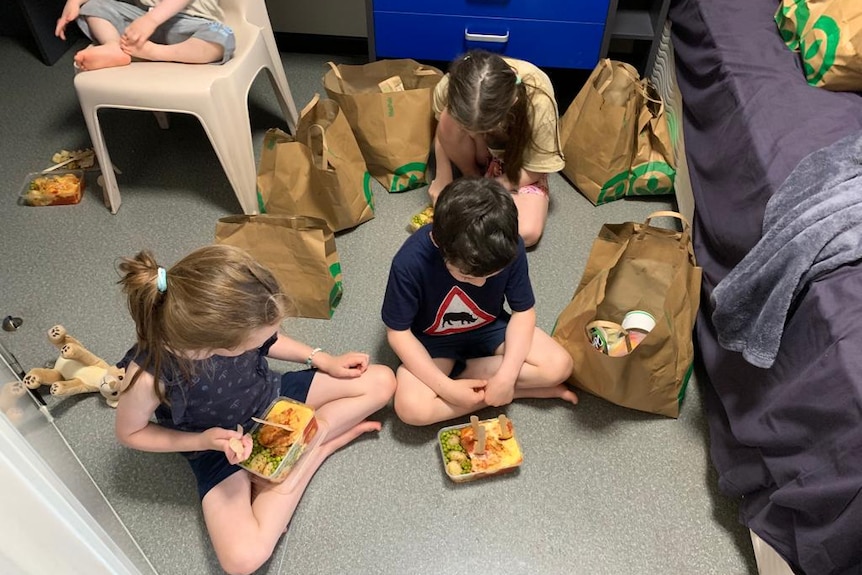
[{"x": 551, "y": 33}]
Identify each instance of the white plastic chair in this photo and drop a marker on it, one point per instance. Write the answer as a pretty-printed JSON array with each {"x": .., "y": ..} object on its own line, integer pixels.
[{"x": 216, "y": 94}]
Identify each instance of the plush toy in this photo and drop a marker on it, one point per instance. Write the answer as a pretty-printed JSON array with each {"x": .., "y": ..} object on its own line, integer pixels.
[
  {"x": 77, "y": 370},
  {"x": 10, "y": 393}
]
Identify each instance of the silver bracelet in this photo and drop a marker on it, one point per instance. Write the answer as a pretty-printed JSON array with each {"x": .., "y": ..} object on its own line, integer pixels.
[{"x": 311, "y": 356}]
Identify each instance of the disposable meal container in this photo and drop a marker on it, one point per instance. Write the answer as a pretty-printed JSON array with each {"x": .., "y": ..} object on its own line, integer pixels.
[
  {"x": 267, "y": 462},
  {"x": 55, "y": 188},
  {"x": 501, "y": 455}
]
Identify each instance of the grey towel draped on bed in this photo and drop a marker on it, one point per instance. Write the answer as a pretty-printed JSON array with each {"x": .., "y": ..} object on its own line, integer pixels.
[{"x": 812, "y": 225}]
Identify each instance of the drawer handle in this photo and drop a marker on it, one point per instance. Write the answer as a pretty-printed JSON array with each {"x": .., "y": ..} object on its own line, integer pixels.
[{"x": 494, "y": 38}]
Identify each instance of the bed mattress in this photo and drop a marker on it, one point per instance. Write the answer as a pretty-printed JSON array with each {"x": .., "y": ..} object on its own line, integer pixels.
[{"x": 787, "y": 440}]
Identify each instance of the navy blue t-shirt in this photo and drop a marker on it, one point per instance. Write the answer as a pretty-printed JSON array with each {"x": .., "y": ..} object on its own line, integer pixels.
[
  {"x": 222, "y": 392},
  {"x": 423, "y": 296}
]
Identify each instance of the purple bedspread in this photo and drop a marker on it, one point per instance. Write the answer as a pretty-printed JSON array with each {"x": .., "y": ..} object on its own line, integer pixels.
[{"x": 787, "y": 440}]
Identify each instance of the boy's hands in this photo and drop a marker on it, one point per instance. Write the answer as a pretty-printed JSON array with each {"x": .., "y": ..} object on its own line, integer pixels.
[
  {"x": 138, "y": 32},
  {"x": 70, "y": 14},
  {"x": 499, "y": 391},
  {"x": 465, "y": 392},
  {"x": 351, "y": 364}
]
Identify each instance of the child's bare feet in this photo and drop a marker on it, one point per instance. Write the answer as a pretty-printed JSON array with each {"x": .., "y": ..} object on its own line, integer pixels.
[
  {"x": 147, "y": 51},
  {"x": 560, "y": 391},
  {"x": 340, "y": 441},
  {"x": 102, "y": 56}
]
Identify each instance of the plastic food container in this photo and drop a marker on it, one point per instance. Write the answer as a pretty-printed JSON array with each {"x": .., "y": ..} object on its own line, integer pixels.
[
  {"x": 457, "y": 445},
  {"x": 276, "y": 451},
  {"x": 56, "y": 188}
]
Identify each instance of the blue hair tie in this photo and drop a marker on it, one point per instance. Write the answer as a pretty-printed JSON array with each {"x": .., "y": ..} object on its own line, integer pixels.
[{"x": 162, "y": 280}]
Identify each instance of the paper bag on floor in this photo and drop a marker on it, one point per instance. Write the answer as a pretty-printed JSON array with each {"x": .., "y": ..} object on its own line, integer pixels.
[
  {"x": 653, "y": 167},
  {"x": 598, "y": 131},
  {"x": 319, "y": 173},
  {"x": 299, "y": 250},
  {"x": 634, "y": 266},
  {"x": 388, "y": 105}
]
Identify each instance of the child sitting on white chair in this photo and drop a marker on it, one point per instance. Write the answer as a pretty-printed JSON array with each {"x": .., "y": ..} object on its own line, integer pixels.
[{"x": 186, "y": 31}]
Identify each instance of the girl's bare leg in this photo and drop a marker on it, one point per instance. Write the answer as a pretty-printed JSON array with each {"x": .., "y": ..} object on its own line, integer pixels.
[
  {"x": 244, "y": 528},
  {"x": 343, "y": 403},
  {"x": 107, "y": 53},
  {"x": 191, "y": 51},
  {"x": 532, "y": 215}
]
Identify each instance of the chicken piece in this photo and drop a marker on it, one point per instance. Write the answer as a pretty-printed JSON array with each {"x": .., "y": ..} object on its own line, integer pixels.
[{"x": 278, "y": 440}]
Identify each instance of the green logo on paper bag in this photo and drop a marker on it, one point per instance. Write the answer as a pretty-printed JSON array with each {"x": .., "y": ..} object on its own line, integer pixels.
[
  {"x": 366, "y": 189},
  {"x": 614, "y": 189},
  {"x": 408, "y": 177},
  {"x": 337, "y": 289},
  {"x": 390, "y": 107},
  {"x": 792, "y": 18},
  {"x": 825, "y": 35},
  {"x": 651, "y": 179},
  {"x": 260, "y": 202}
]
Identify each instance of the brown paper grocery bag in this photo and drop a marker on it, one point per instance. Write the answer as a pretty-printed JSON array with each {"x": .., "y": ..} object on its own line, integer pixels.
[
  {"x": 598, "y": 131},
  {"x": 653, "y": 167},
  {"x": 634, "y": 266},
  {"x": 299, "y": 250},
  {"x": 388, "y": 105},
  {"x": 319, "y": 173},
  {"x": 828, "y": 36}
]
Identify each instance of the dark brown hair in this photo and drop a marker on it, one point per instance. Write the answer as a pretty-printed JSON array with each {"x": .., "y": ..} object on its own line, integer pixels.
[
  {"x": 476, "y": 226},
  {"x": 214, "y": 298},
  {"x": 487, "y": 95}
]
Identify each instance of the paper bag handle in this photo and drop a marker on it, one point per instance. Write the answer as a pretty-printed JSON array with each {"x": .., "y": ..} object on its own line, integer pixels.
[
  {"x": 314, "y": 100},
  {"x": 337, "y": 74},
  {"x": 668, "y": 214},
  {"x": 685, "y": 237},
  {"x": 324, "y": 153}
]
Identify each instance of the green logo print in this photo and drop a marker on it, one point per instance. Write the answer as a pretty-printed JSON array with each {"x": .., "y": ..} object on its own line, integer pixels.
[
  {"x": 337, "y": 290},
  {"x": 651, "y": 179},
  {"x": 366, "y": 189},
  {"x": 792, "y": 18},
  {"x": 408, "y": 177},
  {"x": 825, "y": 35},
  {"x": 390, "y": 107},
  {"x": 614, "y": 189}
]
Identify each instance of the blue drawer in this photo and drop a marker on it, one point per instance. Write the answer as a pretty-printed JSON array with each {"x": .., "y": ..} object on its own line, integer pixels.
[
  {"x": 435, "y": 37},
  {"x": 595, "y": 11}
]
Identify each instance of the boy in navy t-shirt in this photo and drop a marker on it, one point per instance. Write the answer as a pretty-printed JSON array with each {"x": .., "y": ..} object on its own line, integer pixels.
[{"x": 443, "y": 309}]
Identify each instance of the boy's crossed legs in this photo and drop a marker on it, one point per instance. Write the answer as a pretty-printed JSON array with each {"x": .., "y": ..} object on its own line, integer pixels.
[{"x": 543, "y": 375}]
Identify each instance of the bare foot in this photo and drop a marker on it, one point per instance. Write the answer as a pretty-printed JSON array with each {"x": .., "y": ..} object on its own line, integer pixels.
[
  {"x": 147, "y": 51},
  {"x": 557, "y": 392},
  {"x": 332, "y": 445},
  {"x": 103, "y": 56}
]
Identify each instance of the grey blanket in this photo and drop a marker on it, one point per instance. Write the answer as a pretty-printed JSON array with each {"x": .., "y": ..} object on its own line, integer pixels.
[{"x": 812, "y": 224}]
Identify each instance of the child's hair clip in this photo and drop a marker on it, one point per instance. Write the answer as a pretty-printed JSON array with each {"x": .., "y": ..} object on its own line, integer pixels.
[{"x": 517, "y": 80}]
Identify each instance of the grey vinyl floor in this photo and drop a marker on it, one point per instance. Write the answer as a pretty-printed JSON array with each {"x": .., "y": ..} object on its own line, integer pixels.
[{"x": 602, "y": 490}]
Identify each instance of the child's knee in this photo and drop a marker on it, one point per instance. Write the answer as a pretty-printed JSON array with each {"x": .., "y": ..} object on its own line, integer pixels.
[
  {"x": 530, "y": 231},
  {"x": 383, "y": 382},
  {"x": 244, "y": 560},
  {"x": 561, "y": 365}
]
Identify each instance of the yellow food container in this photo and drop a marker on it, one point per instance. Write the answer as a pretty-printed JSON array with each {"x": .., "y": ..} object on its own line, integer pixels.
[
  {"x": 501, "y": 455},
  {"x": 274, "y": 462}
]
